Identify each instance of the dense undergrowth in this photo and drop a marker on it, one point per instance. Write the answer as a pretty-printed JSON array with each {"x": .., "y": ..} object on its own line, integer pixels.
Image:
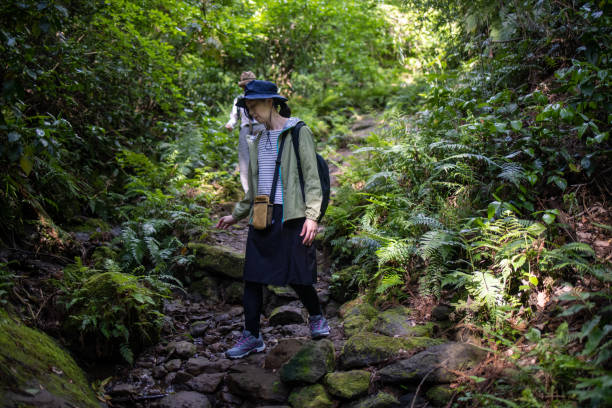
[
  {"x": 475, "y": 192},
  {"x": 111, "y": 125}
]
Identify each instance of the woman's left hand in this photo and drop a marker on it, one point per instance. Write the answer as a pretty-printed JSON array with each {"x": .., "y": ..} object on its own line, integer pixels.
[{"x": 309, "y": 231}]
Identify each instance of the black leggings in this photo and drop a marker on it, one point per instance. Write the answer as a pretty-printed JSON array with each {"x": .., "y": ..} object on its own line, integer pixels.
[{"x": 253, "y": 302}]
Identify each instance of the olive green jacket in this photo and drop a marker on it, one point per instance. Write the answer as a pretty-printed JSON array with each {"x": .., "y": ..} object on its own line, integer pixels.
[{"x": 293, "y": 204}]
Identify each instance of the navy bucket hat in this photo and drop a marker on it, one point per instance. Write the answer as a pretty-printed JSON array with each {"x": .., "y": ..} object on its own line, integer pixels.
[{"x": 258, "y": 89}]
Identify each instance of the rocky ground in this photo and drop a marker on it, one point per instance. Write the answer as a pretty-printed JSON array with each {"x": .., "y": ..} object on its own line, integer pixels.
[{"x": 371, "y": 359}]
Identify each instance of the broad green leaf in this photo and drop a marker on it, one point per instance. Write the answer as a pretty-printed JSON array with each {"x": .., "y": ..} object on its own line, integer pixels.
[
  {"x": 26, "y": 164},
  {"x": 516, "y": 125}
]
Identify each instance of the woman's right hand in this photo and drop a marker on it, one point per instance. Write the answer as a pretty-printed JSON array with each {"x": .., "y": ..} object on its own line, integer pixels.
[{"x": 226, "y": 222}]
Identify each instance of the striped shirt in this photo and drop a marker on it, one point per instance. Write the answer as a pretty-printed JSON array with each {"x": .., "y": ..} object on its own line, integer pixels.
[{"x": 267, "y": 150}]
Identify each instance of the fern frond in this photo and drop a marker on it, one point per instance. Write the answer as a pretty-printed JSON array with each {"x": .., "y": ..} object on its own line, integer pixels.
[{"x": 512, "y": 172}]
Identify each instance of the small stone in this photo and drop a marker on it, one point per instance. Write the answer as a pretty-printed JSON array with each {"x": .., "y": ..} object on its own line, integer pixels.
[
  {"x": 123, "y": 390},
  {"x": 348, "y": 384},
  {"x": 439, "y": 395},
  {"x": 199, "y": 365},
  {"x": 184, "y": 349},
  {"x": 173, "y": 365},
  {"x": 380, "y": 400},
  {"x": 198, "y": 329},
  {"x": 295, "y": 330},
  {"x": 181, "y": 377},
  {"x": 207, "y": 383},
  {"x": 185, "y": 399},
  {"x": 310, "y": 363},
  {"x": 441, "y": 312},
  {"x": 159, "y": 371},
  {"x": 283, "y": 315},
  {"x": 169, "y": 378},
  {"x": 283, "y": 291},
  {"x": 311, "y": 396}
]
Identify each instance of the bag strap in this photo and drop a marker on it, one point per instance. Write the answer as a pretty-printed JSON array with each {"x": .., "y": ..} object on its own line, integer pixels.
[
  {"x": 277, "y": 167},
  {"x": 295, "y": 139}
]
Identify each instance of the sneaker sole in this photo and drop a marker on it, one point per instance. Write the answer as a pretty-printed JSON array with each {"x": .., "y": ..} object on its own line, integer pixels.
[
  {"x": 255, "y": 350},
  {"x": 319, "y": 335}
]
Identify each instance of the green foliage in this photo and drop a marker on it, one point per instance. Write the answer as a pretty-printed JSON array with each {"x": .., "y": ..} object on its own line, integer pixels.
[
  {"x": 113, "y": 313},
  {"x": 6, "y": 281},
  {"x": 456, "y": 195}
]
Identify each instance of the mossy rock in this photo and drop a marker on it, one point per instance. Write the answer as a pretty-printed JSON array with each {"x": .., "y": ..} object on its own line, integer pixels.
[
  {"x": 397, "y": 322},
  {"x": 356, "y": 324},
  {"x": 34, "y": 367},
  {"x": 93, "y": 225},
  {"x": 311, "y": 396},
  {"x": 208, "y": 288},
  {"x": 358, "y": 307},
  {"x": 122, "y": 307},
  {"x": 218, "y": 259},
  {"x": 380, "y": 400},
  {"x": 348, "y": 384},
  {"x": 283, "y": 291},
  {"x": 439, "y": 395},
  {"x": 364, "y": 349},
  {"x": 234, "y": 293},
  {"x": 310, "y": 363}
]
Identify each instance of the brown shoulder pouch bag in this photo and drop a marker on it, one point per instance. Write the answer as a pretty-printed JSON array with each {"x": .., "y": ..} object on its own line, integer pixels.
[{"x": 264, "y": 204}]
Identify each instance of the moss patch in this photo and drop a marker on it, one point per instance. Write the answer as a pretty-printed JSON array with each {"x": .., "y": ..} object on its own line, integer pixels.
[
  {"x": 348, "y": 384},
  {"x": 311, "y": 396},
  {"x": 30, "y": 359},
  {"x": 219, "y": 259},
  {"x": 310, "y": 363}
]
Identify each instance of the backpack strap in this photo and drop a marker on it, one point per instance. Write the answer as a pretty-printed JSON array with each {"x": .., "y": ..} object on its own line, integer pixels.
[
  {"x": 295, "y": 139},
  {"x": 283, "y": 136}
]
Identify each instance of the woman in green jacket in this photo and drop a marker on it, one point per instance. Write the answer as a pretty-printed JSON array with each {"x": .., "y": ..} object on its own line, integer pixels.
[{"x": 281, "y": 254}]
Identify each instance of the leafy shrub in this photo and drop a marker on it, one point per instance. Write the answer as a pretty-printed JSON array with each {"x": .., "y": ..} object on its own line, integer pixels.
[{"x": 111, "y": 312}]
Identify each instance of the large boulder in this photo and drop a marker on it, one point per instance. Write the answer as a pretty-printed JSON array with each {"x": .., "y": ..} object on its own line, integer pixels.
[
  {"x": 397, "y": 322},
  {"x": 348, "y": 384},
  {"x": 256, "y": 383},
  {"x": 310, "y": 396},
  {"x": 36, "y": 372},
  {"x": 364, "y": 349},
  {"x": 282, "y": 352},
  {"x": 313, "y": 361},
  {"x": 436, "y": 362},
  {"x": 218, "y": 259}
]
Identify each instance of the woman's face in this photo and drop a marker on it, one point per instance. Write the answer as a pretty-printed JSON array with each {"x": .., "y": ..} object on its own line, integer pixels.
[{"x": 259, "y": 109}]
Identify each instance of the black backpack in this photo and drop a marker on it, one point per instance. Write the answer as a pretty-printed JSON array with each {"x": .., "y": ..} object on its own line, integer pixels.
[{"x": 321, "y": 166}]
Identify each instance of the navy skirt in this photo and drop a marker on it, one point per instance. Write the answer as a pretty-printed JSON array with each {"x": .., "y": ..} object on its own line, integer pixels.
[{"x": 276, "y": 255}]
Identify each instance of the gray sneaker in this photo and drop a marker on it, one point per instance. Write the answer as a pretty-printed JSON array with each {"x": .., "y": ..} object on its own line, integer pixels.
[
  {"x": 318, "y": 326},
  {"x": 246, "y": 345}
]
